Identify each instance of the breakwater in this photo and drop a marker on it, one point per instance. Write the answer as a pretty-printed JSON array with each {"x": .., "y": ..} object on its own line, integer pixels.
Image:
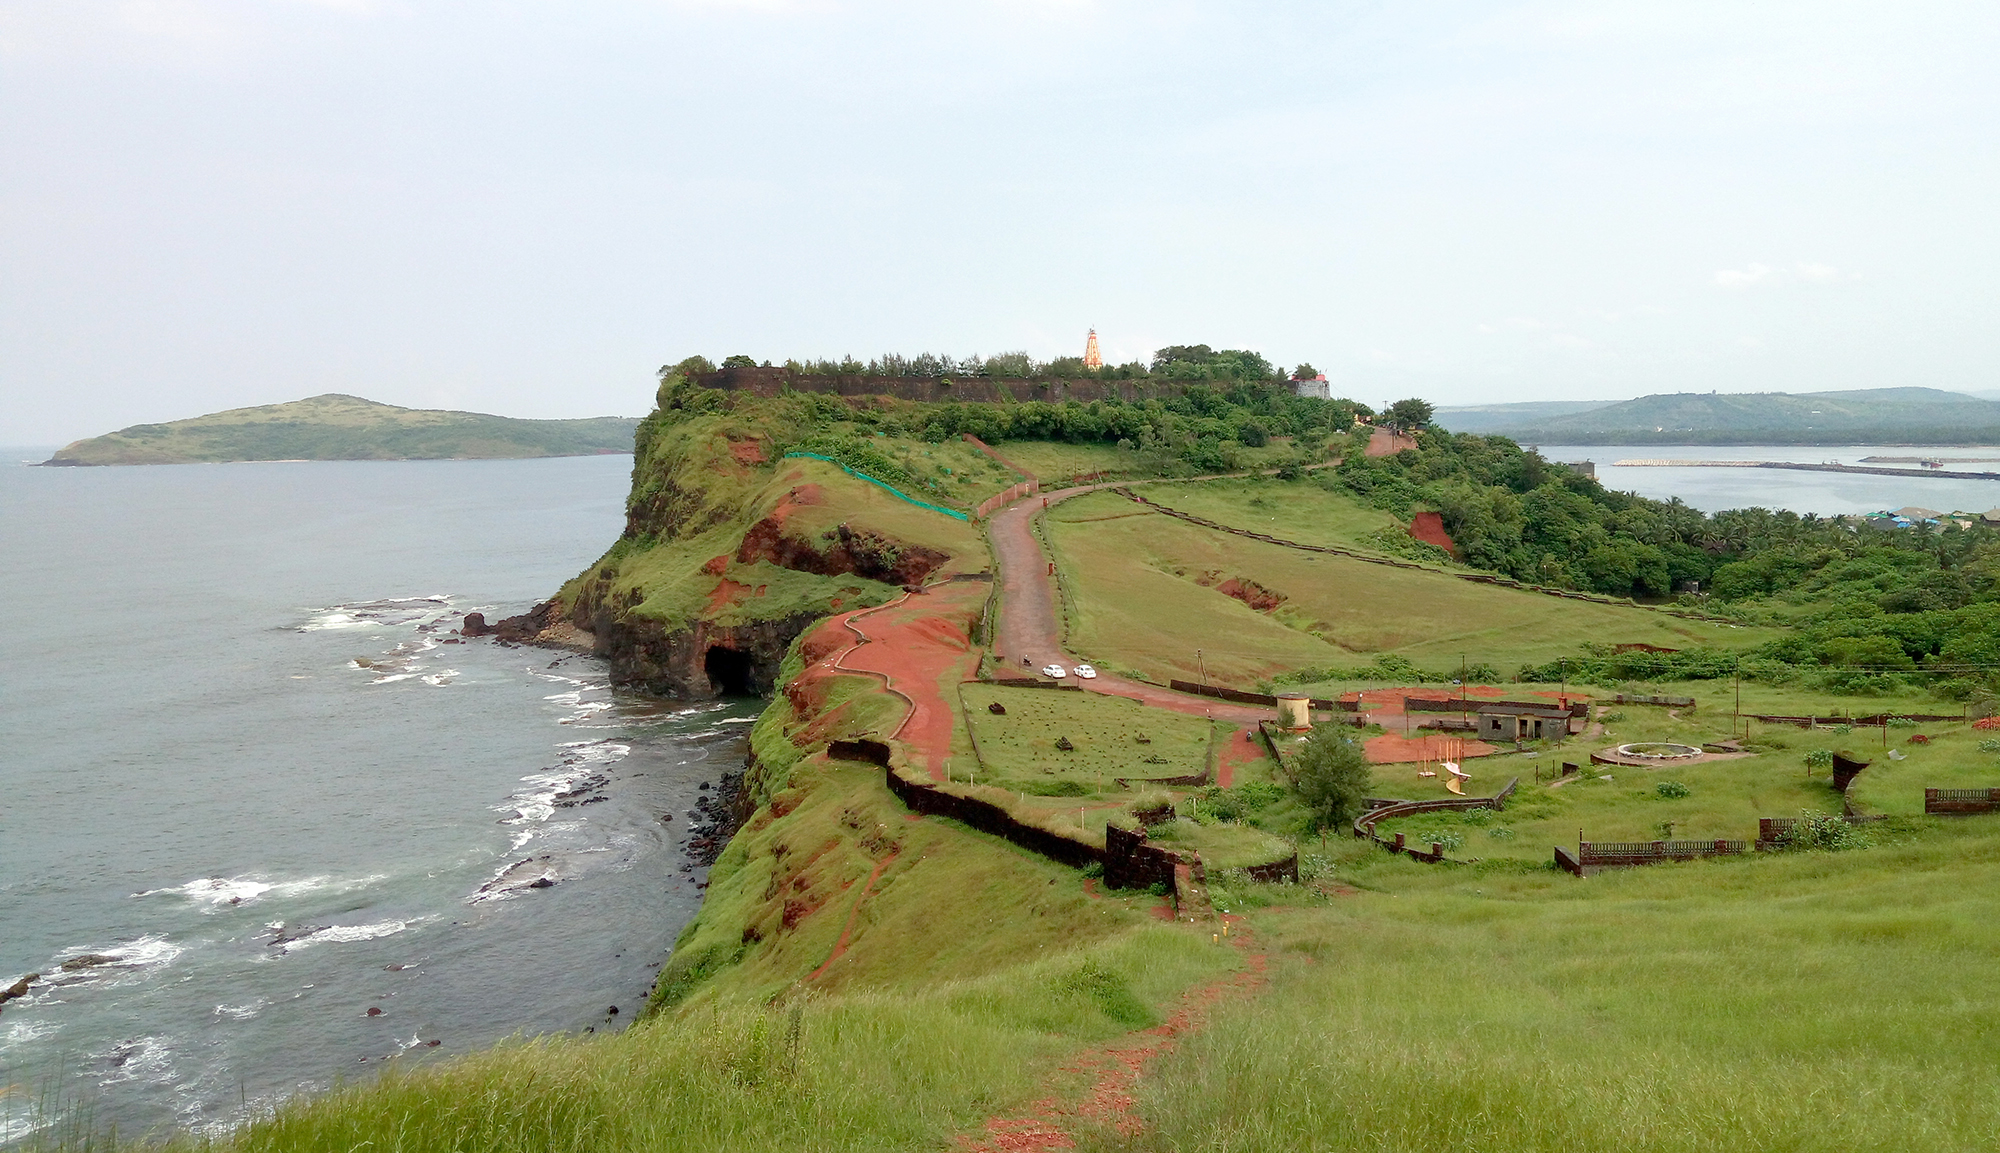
[{"x": 1829, "y": 466}]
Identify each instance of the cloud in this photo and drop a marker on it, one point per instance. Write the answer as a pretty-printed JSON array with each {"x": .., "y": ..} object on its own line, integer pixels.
[
  {"x": 1513, "y": 324},
  {"x": 1804, "y": 272},
  {"x": 1736, "y": 279}
]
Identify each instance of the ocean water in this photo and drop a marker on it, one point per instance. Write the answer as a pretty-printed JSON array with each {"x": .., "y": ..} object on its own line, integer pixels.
[
  {"x": 252, "y": 788},
  {"x": 1825, "y": 493}
]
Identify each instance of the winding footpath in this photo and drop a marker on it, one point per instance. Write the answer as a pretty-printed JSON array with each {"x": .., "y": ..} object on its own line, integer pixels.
[{"x": 1109, "y": 1100}]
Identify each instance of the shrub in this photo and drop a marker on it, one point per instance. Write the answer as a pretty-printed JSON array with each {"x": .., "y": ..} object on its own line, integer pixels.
[
  {"x": 1671, "y": 790},
  {"x": 1990, "y": 745},
  {"x": 1819, "y": 759},
  {"x": 1113, "y": 996},
  {"x": 1613, "y": 717},
  {"x": 1817, "y": 830}
]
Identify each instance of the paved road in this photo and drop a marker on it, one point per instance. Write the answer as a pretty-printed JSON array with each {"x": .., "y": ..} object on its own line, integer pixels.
[{"x": 1030, "y": 627}]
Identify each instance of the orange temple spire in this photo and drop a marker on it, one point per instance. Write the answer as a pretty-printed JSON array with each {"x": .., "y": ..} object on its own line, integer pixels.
[{"x": 1091, "y": 357}]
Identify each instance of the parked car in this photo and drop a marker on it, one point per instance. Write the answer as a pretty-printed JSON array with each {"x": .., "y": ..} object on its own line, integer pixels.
[
  {"x": 1085, "y": 671},
  {"x": 1056, "y": 671}
]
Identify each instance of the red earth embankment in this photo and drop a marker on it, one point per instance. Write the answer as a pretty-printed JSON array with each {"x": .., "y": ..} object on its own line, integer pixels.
[{"x": 1428, "y": 527}]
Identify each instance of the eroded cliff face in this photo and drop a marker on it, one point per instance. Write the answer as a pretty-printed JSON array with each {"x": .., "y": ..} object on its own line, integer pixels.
[
  {"x": 716, "y": 520},
  {"x": 699, "y": 661}
]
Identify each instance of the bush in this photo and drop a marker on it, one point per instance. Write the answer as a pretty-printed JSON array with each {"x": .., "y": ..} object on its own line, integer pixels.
[
  {"x": 1818, "y": 831},
  {"x": 1819, "y": 759},
  {"x": 1990, "y": 745},
  {"x": 1671, "y": 790}
]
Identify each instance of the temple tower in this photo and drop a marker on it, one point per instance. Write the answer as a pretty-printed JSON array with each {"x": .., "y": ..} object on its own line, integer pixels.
[{"x": 1091, "y": 357}]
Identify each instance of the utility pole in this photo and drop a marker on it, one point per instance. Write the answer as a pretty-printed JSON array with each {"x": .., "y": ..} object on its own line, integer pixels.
[{"x": 1737, "y": 666}]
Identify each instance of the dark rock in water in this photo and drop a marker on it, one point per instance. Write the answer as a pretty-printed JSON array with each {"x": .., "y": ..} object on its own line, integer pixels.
[
  {"x": 396, "y": 968},
  {"x": 704, "y": 786},
  {"x": 613, "y": 1011},
  {"x": 525, "y": 627},
  {"x": 18, "y": 988},
  {"x": 374, "y": 1011},
  {"x": 432, "y": 1044},
  {"x": 286, "y": 934},
  {"x": 88, "y": 961},
  {"x": 542, "y": 883}
]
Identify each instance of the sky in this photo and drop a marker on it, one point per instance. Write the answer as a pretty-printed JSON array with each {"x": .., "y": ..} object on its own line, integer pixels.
[{"x": 526, "y": 208}]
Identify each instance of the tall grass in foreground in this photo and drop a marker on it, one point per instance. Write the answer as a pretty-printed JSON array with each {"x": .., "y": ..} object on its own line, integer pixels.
[
  {"x": 1817, "y": 1002},
  {"x": 861, "y": 1071}
]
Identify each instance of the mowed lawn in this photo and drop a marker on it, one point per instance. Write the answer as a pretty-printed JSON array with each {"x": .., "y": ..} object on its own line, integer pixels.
[{"x": 1137, "y": 603}]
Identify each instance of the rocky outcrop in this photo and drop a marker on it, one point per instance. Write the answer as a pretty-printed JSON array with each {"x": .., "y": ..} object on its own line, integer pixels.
[
  {"x": 699, "y": 661},
  {"x": 517, "y": 629},
  {"x": 840, "y": 552},
  {"x": 18, "y": 988}
]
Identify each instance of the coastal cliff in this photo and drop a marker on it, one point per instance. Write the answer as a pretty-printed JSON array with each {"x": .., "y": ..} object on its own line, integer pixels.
[{"x": 732, "y": 549}]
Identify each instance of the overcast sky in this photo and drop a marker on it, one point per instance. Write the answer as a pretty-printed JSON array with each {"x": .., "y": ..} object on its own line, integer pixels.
[{"x": 525, "y": 208}]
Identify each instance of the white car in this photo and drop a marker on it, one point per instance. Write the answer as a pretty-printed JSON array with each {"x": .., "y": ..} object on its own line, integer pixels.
[
  {"x": 1056, "y": 671},
  {"x": 1086, "y": 672}
]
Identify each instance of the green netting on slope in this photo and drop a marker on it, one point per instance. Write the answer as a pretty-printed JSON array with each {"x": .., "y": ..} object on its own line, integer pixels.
[{"x": 890, "y": 489}]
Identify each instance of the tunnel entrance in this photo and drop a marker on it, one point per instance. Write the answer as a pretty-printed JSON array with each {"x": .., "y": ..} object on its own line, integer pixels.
[{"x": 728, "y": 671}]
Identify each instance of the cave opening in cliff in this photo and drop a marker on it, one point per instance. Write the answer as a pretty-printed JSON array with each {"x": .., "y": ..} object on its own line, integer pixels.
[{"x": 728, "y": 671}]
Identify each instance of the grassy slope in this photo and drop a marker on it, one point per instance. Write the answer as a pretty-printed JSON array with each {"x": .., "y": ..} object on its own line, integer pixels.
[
  {"x": 1136, "y": 604},
  {"x": 1811, "y": 1002},
  {"x": 1807, "y": 1002},
  {"x": 338, "y": 427},
  {"x": 694, "y": 500}
]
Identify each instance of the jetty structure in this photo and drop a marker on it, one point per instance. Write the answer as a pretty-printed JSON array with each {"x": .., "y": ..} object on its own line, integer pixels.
[{"x": 1824, "y": 466}]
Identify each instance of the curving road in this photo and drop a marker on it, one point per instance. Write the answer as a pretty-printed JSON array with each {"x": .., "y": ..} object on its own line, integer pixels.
[{"x": 1031, "y": 628}]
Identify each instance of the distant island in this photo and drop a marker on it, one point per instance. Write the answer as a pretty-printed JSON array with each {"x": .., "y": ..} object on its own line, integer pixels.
[
  {"x": 340, "y": 427},
  {"x": 1926, "y": 416}
]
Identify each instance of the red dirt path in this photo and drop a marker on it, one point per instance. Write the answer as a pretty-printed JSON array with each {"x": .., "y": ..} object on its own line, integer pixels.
[
  {"x": 913, "y": 644},
  {"x": 1382, "y": 442},
  {"x": 1242, "y": 748},
  {"x": 847, "y": 930},
  {"x": 1050, "y": 1123}
]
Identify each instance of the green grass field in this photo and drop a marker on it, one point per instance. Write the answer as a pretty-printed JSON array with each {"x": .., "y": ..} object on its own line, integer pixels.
[
  {"x": 1055, "y": 463},
  {"x": 1137, "y": 601},
  {"x": 1112, "y": 737},
  {"x": 1799, "y": 1002},
  {"x": 1302, "y": 512}
]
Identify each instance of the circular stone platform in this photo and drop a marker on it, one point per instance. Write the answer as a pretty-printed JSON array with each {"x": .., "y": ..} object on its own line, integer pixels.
[{"x": 1658, "y": 751}]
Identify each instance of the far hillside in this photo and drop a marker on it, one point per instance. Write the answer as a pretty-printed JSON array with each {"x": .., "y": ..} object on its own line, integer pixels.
[
  {"x": 340, "y": 427},
  {"x": 1863, "y": 416}
]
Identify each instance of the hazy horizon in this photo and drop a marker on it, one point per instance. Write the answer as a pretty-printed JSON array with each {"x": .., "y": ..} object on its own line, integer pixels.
[{"x": 212, "y": 204}]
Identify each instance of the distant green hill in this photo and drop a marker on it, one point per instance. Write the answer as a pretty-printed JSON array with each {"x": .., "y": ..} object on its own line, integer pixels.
[
  {"x": 1864, "y": 416},
  {"x": 339, "y": 427},
  {"x": 1486, "y": 418}
]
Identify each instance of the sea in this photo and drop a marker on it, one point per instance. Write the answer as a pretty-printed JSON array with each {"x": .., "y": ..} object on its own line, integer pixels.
[
  {"x": 1826, "y": 493},
  {"x": 267, "y": 824}
]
